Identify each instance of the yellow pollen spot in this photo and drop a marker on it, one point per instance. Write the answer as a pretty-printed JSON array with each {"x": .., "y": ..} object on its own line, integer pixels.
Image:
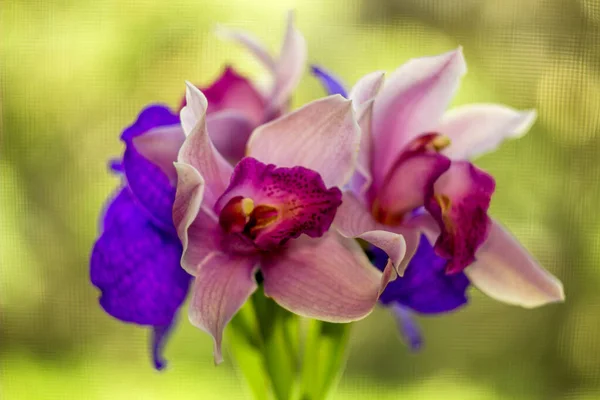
[
  {"x": 440, "y": 142},
  {"x": 247, "y": 205}
]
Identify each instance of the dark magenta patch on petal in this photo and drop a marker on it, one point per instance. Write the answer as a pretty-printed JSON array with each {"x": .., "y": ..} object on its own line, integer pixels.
[
  {"x": 425, "y": 287},
  {"x": 286, "y": 202},
  {"x": 459, "y": 204},
  {"x": 137, "y": 267}
]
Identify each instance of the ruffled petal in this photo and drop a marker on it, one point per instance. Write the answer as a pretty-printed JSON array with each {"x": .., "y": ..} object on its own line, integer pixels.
[
  {"x": 408, "y": 185},
  {"x": 459, "y": 204},
  {"x": 136, "y": 267},
  {"x": 366, "y": 88},
  {"x": 505, "y": 271},
  {"x": 329, "y": 279},
  {"x": 354, "y": 221},
  {"x": 198, "y": 149},
  {"x": 425, "y": 287},
  {"x": 480, "y": 128},
  {"x": 331, "y": 83},
  {"x": 151, "y": 186},
  {"x": 322, "y": 136},
  {"x": 412, "y": 103},
  {"x": 281, "y": 203},
  {"x": 222, "y": 285}
]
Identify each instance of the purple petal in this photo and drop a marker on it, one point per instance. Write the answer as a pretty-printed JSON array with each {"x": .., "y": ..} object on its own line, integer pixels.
[
  {"x": 286, "y": 202},
  {"x": 136, "y": 267},
  {"x": 222, "y": 286},
  {"x": 459, "y": 204},
  {"x": 411, "y": 103},
  {"x": 408, "y": 327},
  {"x": 322, "y": 136},
  {"x": 150, "y": 186},
  {"x": 150, "y": 117},
  {"x": 331, "y": 83},
  {"x": 160, "y": 335},
  {"x": 425, "y": 286},
  {"x": 329, "y": 279},
  {"x": 505, "y": 271}
]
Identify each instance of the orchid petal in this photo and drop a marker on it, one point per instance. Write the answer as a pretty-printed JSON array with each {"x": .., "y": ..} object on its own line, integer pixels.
[
  {"x": 361, "y": 179},
  {"x": 412, "y": 103},
  {"x": 366, "y": 88},
  {"x": 161, "y": 146},
  {"x": 329, "y": 279},
  {"x": 478, "y": 129},
  {"x": 408, "y": 184},
  {"x": 198, "y": 149},
  {"x": 354, "y": 221},
  {"x": 160, "y": 335},
  {"x": 322, "y": 136},
  {"x": 252, "y": 44},
  {"x": 233, "y": 92},
  {"x": 136, "y": 267},
  {"x": 331, "y": 83},
  {"x": 223, "y": 284},
  {"x": 459, "y": 203},
  {"x": 505, "y": 271},
  {"x": 286, "y": 202},
  {"x": 407, "y": 327},
  {"x": 196, "y": 226},
  {"x": 290, "y": 65},
  {"x": 150, "y": 184},
  {"x": 425, "y": 287},
  {"x": 229, "y": 131}
]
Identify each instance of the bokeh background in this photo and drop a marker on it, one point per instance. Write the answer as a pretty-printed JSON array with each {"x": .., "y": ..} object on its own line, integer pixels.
[{"x": 75, "y": 73}]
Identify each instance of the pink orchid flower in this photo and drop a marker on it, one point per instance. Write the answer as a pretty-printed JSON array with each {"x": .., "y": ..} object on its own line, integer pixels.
[
  {"x": 272, "y": 212},
  {"x": 236, "y": 106},
  {"x": 415, "y": 155}
]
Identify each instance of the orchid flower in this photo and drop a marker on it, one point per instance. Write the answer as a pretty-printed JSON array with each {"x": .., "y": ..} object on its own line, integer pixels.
[
  {"x": 414, "y": 176},
  {"x": 272, "y": 212},
  {"x": 136, "y": 260}
]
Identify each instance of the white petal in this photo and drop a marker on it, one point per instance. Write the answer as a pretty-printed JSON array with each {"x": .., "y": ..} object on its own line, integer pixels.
[
  {"x": 505, "y": 271},
  {"x": 480, "y": 128}
]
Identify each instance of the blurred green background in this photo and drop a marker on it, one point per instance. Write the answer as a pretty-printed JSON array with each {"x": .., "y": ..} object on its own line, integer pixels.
[{"x": 75, "y": 73}]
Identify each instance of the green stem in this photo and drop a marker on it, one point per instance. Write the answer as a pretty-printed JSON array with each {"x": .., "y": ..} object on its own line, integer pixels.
[{"x": 324, "y": 358}]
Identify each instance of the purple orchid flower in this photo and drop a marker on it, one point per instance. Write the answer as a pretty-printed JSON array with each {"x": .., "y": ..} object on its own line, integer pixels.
[
  {"x": 272, "y": 212},
  {"x": 415, "y": 156},
  {"x": 136, "y": 261}
]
